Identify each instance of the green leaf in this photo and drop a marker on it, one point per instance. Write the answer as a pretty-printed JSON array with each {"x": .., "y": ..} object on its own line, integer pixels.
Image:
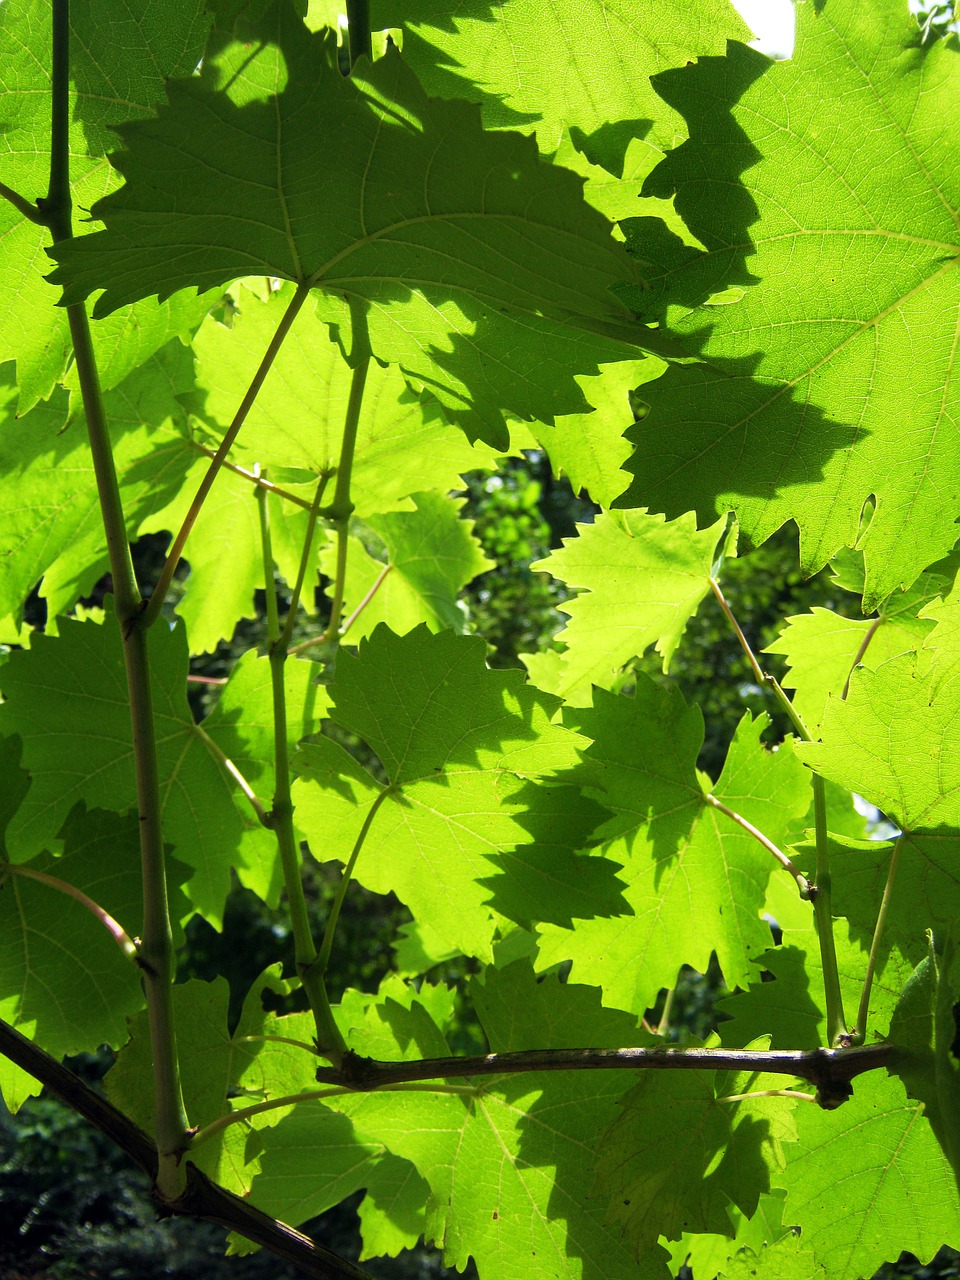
[
  {"x": 891, "y": 1189},
  {"x": 695, "y": 880},
  {"x": 832, "y": 381},
  {"x": 461, "y": 245},
  {"x": 924, "y": 1032},
  {"x": 677, "y": 1153},
  {"x": 114, "y": 79},
  {"x": 497, "y": 57},
  {"x": 590, "y": 448},
  {"x": 297, "y": 418},
  {"x": 508, "y": 1167},
  {"x": 392, "y": 1214},
  {"x": 643, "y": 580},
  {"x": 822, "y": 647},
  {"x": 50, "y": 522},
  {"x": 891, "y": 742},
  {"x": 64, "y": 981},
  {"x": 431, "y": 553},
  {"x": 49, "y": 691},
  {"x": 457, "y": 743},
  {"x": 221, "y": 1073}
]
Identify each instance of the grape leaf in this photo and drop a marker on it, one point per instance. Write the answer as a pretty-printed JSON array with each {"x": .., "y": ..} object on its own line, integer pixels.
[
  {"x": 890, "y": 1189},
  {"x": 439, "y": 214},
  {"x": 784, "y": 1259},
  {"x": 431, "y": 553},
  {"x": 643, "y": 579},
  {"x": 114, "y": 79},
  {"x": 822, "y": 647},
  {"x": 63, "y": 980},
  {"x": 892, "y": 742},
  {"x": 48, "y": 692},
  {"x": 392, "y": 1212},
  {"x": 924, "y": 1032},
  {"x": 50, "y": 522},
  {"x": 508, "y": 1166},
  {"x": 590, "y": 448},
  {"x": 297, "y": 418},
  {"x": 497, "y": 56},
  {"x": 677, "y": 1154},
  {"x": 457, "y": 743},
  {"x": 695, "y": 880},
  {"x": 835, "y": 172},
  {"x": 221, "y": 1073}
]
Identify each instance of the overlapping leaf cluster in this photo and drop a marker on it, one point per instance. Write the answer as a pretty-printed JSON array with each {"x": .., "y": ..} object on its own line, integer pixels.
[{"x": 702, "y": 283}]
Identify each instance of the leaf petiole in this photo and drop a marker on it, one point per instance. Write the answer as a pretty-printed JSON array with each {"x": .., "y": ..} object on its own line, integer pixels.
[
  {"x": 154, "y": 605},
  {"x": 113, "y": 927},
  {"x": 837, "y": 1033}
]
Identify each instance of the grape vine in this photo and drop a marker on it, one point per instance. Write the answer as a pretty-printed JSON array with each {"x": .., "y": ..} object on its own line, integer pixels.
[{"x": 277, "y": 277}]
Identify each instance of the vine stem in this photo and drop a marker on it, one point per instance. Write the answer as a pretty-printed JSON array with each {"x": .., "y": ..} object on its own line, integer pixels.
[
  {"x": 863, "y": 1012},
  {"x": 831, "y": 1070},
  {"x": 358, "y": 29},
  {"x": 820, "y": 891},
  {"x": 22, "y": 205},
  {"x": 330, "y": 1041},
  {"x": 803, "y": 884},
  {"x": 152, "y": 611},
  {"x": 113, "y": 927},
  {"x": 202, "y": 1198},
  {"x": 318, "y": 640},
  {"x": 156, "y": 950},
  {"x": 342, "y": 506},
  {"x": 871, "y": 632}
]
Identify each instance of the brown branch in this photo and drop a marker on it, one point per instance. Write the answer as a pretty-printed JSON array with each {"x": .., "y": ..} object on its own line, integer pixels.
[
  {"x": 831, "y": 1070},
  {"x": 202, "y": 1198}
]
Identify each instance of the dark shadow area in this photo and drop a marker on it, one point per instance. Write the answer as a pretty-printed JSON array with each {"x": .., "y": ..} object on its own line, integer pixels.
[{"x": 555, "y": 878}]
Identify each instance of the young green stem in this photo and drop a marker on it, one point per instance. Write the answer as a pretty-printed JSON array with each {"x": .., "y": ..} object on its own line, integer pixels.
[
  {"x": 23, "y": 206},
  {"x": 819, "y": 892},
  {"x": 113, "y": 927},
  {"x": 342, "y": 506},
  {"x": 863, "y": 1012},
  {"x": 156, "y": 950},
  {"x": 330, "y": 1042},
  {"x": 152, "y": 612},
  {"x": 803, "y": 884}
]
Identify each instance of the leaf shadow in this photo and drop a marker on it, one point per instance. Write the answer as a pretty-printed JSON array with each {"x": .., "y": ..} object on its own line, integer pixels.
[
  {"x": 721, "y": 433},
  {"x": 556, "y": 877}
]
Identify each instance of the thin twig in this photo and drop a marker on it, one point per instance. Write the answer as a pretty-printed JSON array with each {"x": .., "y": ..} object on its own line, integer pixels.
[
  {"x": 304, "y": 645},
  {"x": 326, "y": 945},
  {"x": 837, "y": 1032},
  {"x": 807, "y": 891}
]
